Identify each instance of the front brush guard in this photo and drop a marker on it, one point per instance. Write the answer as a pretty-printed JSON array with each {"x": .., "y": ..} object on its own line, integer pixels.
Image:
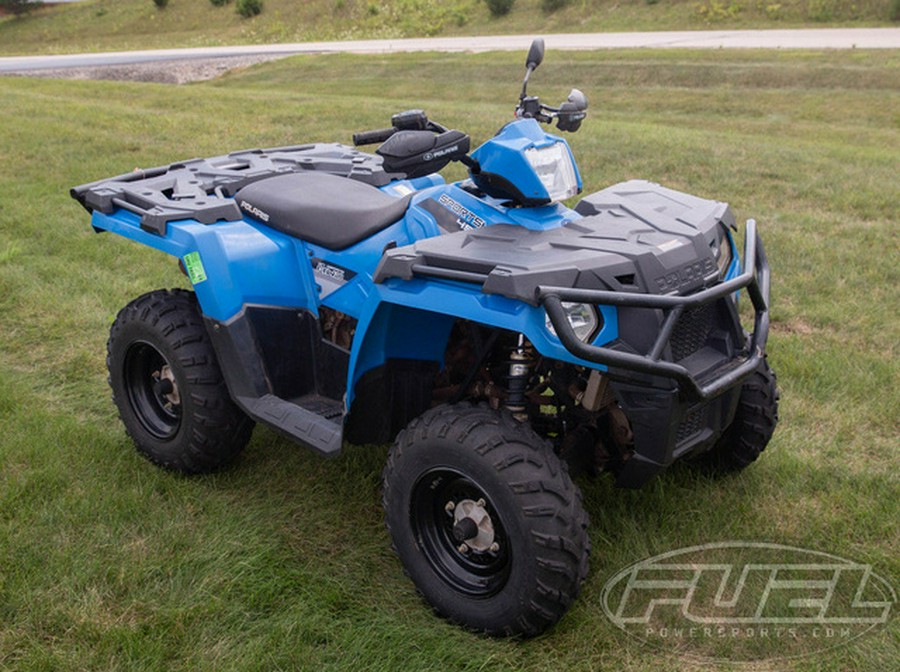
[{"x": 755, "y": 278}]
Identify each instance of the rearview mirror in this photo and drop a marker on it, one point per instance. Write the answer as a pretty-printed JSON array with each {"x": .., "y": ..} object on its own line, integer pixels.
[{"x": 535, "y": 54}]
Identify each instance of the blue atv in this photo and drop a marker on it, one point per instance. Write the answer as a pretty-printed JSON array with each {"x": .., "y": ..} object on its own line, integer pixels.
[{"x": 497, "y": 336}]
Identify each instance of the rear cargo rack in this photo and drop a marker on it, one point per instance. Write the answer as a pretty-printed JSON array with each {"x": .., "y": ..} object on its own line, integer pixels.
[{"x": 202, "y": 189}]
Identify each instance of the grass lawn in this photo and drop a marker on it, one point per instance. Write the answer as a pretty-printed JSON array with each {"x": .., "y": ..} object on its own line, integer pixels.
[
  {"x": 103, "y": 25},
  {"x": 282, "y": 562}
]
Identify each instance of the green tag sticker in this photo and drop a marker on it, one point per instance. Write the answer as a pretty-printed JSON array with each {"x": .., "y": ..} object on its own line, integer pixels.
[{"x": 194, "y": 267}]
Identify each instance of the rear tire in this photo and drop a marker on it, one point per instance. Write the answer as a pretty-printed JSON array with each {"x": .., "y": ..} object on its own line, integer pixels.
[
  {"x": 519, "y": 564},
  {"x": 168, "y": 387},
  {"x": 753, "y": 425}
]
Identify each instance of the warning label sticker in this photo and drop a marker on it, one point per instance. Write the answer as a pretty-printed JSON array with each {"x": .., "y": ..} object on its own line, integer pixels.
[{"x": 194, "y": 267}]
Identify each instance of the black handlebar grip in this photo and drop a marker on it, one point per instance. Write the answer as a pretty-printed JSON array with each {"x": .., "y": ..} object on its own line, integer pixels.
[{"x": 372, "y": 137}]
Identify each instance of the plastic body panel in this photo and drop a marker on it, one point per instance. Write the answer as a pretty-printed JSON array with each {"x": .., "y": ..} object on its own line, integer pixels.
[
  {"x": 247, "y": 263},
  {"x": 458, "y": 253},
  {"x": 505, "y": 172}
]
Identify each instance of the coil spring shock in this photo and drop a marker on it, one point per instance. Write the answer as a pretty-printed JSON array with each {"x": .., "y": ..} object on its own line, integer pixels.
[{"x": 520, "y": 363}]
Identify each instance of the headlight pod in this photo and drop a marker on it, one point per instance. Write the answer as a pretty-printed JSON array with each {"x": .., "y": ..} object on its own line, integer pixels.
[
  {"x": 553, "y": 165},
  {"x": 582, "y": 318},
  {"x": 723, "y": 252}
]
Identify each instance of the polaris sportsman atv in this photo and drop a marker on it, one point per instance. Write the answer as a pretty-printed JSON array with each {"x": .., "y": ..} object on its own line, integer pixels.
[{"x": 491, "y": 331}]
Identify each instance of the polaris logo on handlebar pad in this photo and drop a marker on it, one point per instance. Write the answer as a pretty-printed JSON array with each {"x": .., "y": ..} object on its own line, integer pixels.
[
  {"x": 255, "y": 212},
  {"x": 430, "y": 156}
]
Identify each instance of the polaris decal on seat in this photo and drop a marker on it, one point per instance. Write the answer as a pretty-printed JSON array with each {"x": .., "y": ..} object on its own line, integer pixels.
[
  {"x": 330, "y": 277},
  {"x": 464, "y": 218},
  {"x": 253, "y": 211}
]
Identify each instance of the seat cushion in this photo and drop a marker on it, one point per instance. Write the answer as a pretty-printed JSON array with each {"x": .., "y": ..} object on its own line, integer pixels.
[{"x": 328, "y": 210}]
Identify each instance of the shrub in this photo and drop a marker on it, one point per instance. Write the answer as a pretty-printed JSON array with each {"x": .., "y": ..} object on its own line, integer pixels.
[
  {"x": 17, "y": 6},
  {"x": 161, "y": 3},
  {"x": 219, "y": 3},
  {"x": 553, "y": 5},
  {"x": 248, "y": 8},
  {"x": 499, "y": 7},
  {"x": 895, "y": 10}
]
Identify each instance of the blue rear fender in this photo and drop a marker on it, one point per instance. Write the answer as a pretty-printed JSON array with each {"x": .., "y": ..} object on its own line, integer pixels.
[
  {"x": 241, "y": 264},
  {"x": 245, "y": 263}
]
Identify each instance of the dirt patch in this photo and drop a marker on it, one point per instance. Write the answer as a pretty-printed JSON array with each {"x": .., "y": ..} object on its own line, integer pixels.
[
  {"x": 164, "y": 72},
  {"x": 794, "y": 326}
]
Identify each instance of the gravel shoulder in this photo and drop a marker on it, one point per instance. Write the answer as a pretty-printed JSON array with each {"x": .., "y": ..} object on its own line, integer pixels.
[{"x": 163, "y": 72}]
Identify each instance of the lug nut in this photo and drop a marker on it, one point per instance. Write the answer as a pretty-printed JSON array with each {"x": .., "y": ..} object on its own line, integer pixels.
[
  {"x": 463, "y": 548},
  {"x": 494, "y": 548},
  {"x": 449, "y": 507},
  {"x": 480, "y": 503}
]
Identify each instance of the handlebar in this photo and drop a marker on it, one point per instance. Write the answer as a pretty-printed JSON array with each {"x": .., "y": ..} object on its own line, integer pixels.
[
  {"x": 408, "y": 120},
  {"x": 373, "y": 137},
  {"x": 568, "y": 115}
]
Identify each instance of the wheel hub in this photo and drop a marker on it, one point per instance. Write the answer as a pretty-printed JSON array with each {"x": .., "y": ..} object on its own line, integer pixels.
[
  {"x": 473, "y": 525},
  {"x": 166, "y": 387},
  {"x": 460, "y": 532},
  {"x": 152, "y": 390}
]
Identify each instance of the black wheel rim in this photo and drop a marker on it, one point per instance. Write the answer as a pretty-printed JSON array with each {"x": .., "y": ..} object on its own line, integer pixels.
[
  {"x": 147, "y": 396},
  {"x": 477, "y": 574}
]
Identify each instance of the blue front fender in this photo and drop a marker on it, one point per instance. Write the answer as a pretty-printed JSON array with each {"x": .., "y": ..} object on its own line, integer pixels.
[{"x": 412, "y": 319}]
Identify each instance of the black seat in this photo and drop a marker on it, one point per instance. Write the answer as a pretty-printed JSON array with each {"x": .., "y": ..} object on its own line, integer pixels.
[{"x": 328, "y": 210}]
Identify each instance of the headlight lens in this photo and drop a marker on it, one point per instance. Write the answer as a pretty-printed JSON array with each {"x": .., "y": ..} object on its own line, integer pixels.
[
  {"x": 723, "y": 254},
  {"x": 553, "y": 165},
  {"x": 582, "y": 318}
]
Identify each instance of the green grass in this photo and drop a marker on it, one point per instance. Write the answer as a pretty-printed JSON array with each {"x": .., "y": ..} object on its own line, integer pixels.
[
  {"x": 282, "y": 562},
  {"x": 137, "y": 24}
]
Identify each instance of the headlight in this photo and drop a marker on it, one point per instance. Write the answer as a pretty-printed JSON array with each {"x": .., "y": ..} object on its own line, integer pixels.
[
  {"x": 553, "y": 165},
  {"x": 582, "y": 318},
  {"x": 723, "y": 253}
]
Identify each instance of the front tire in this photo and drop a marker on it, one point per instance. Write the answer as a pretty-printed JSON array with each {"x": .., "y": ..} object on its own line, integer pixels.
[
  {"x": 168, "y": 387},
  {"x": 753, "y": 425},
  {"x": 486, "y": 521}
]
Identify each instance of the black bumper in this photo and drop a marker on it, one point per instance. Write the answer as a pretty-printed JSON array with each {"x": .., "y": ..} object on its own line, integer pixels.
[
  {"x": 673, "y": 411},
  {"x": 755, "y": 279}
]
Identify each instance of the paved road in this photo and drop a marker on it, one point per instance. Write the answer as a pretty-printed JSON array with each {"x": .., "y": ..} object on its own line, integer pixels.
[{"x": 828, "y": 38}]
